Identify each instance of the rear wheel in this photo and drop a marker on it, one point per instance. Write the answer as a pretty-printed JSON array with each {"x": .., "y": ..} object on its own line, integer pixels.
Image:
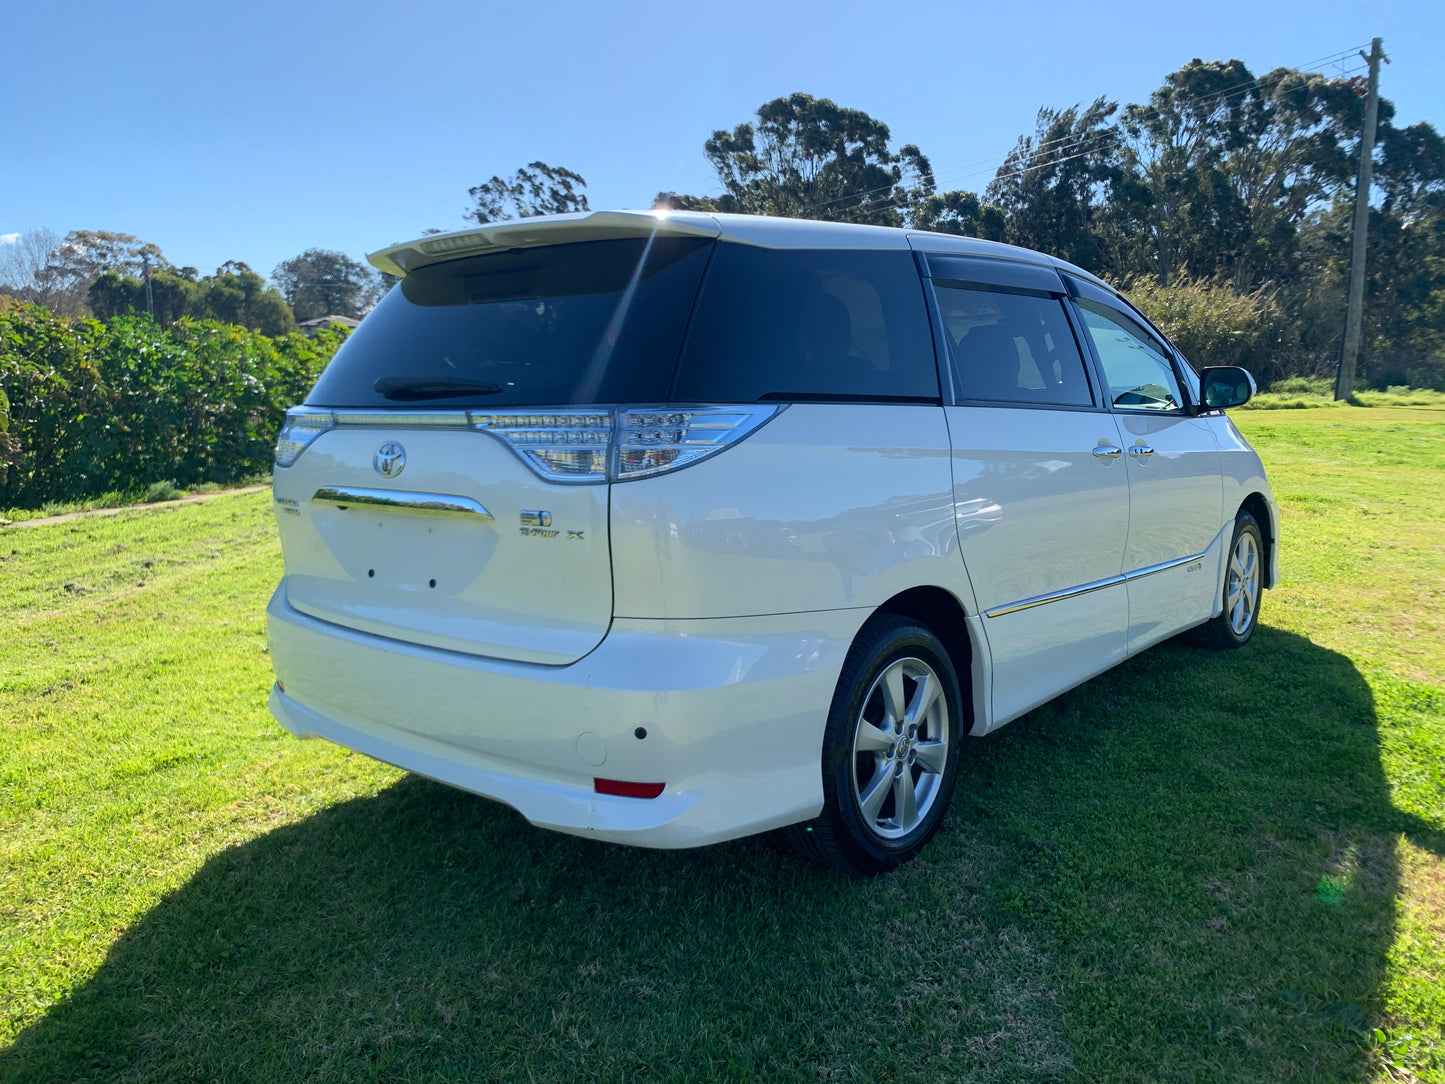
[
  {"x": 890, "y": 750},
  {"x": 1243, "y": 586}
]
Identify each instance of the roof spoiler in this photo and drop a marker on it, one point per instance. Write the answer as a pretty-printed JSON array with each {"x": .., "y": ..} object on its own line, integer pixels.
[{"x": 543, "y": 230}]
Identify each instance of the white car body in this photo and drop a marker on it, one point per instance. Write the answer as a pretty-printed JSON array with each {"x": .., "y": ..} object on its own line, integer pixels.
[{"x": 689, "y": 628}]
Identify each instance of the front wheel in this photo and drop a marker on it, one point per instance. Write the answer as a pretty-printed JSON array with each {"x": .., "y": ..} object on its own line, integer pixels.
[
  {"x": 890, "y": 750},
  {"x": 1243, "y": 586}
]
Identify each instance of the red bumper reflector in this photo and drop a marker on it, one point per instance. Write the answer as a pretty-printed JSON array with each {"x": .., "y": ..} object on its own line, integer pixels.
[{"x": 627, "y": 790}]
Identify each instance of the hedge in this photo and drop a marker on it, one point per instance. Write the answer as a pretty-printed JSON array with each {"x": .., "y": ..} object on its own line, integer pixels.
[{"x": 88, "y": 408}]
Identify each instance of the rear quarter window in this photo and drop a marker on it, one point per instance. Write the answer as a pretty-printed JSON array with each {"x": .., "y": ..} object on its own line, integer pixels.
[{"x": 778, "y": 325}]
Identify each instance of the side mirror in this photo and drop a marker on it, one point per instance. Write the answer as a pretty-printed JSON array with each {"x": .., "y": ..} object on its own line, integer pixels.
[{"x": 1222, "y": 386}]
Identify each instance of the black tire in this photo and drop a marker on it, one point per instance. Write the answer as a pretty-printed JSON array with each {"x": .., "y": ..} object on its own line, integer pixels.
[
  {"x": 1243, "y": 590},
  {"x": 876, "y": 759}
]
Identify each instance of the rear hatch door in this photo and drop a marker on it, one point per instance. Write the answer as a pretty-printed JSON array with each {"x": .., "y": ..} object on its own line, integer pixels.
[
  {"x": 456, "y": 495},
  {"x": 465, "y": 548}
]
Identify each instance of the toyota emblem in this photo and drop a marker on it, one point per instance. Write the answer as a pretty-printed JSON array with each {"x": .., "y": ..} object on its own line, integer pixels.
[{"x": 390, "y": 459}]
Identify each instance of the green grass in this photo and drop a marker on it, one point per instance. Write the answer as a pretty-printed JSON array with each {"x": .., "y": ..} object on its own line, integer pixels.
[
  {"x": 155, "y": 492},
  {"x": 1299, "y": 392},
  {"x": 1196, "y": 867}
]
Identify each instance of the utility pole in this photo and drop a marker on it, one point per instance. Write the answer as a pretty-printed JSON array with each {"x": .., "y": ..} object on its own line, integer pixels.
[
  {"x": 145, "y": 264},
  {"x": 1350, "y": 352}
]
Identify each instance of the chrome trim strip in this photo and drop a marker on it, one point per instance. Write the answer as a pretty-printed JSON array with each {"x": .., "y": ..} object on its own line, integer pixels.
[
  {"x": 1098, "y": 585},
  {"x": 400, "y": 500},
  {"x": 403, "y": 419},
  {"x": 1055, "y": 596},
  {"x": 1139, "y": 574}
]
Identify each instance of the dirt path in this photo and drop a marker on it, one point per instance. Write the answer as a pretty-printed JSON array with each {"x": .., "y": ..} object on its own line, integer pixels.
[{"x": 13, "y": 524}]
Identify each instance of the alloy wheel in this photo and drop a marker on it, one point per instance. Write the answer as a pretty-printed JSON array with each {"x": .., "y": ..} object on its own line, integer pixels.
[
  {"x": 900, "y": 748},
  {"x": 1241, "y": 592}
]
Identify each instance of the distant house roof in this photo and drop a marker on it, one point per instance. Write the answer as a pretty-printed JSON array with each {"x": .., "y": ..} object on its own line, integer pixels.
[{"x": 313, "y": 326}]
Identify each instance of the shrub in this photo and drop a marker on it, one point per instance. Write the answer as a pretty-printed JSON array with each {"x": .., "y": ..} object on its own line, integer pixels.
[
  {"x": 86, "y": 408},
  {"x": 163, "y": 491},
  {"x": 1386, "y": 369},
  {"x": 57, "y": 408},
  {"x": 1212, "y": 325}
]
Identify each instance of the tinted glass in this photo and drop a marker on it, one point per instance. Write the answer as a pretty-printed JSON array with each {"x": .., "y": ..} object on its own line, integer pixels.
[
  {"x": 961, "y": 270},
  {"x": 808, "y": 325},
  {"x": 595, "y": 322},
  {"x": 1109, "y": 299},
  {"x": 1136, "y": 364},
  {"x": 1012, "y": 348}
]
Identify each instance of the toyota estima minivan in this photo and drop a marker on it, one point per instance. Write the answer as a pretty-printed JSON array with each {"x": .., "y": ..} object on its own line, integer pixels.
[{"x": 669, "y": 528}]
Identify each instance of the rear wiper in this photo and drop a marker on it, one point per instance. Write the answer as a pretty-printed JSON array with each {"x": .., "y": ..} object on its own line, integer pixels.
[{"x": 409, "y": 389}]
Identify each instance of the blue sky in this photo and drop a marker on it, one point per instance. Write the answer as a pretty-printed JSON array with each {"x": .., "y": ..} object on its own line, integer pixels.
[{"x": 252, "y": 131}]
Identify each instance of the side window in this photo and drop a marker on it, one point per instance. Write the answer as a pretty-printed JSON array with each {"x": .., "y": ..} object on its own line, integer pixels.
[
  {"x": 1012, "y": 348},
  {"x": 1136, "y": 365},
  {"x": 808, "y": 324}
]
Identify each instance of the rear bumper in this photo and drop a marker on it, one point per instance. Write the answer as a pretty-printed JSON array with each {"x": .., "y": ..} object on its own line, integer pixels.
[{"x": 733, "y": 711}]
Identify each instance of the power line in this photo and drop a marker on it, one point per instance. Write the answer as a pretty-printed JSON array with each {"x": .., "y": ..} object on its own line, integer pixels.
[
  {"x": 1072, "y": 141},
  {"x": 1333, "y": 57},
  {"x": 1223, "y": 92},
  {"x": 980, "y": 166},
  {"x": 1096, "y": 138},
  {"x": 873, "y": 208},
  {"x": 883, "y": 205}
]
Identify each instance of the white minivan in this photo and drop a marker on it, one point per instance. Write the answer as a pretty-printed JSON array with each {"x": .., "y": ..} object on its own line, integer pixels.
[{"x": 667, "y": 528}]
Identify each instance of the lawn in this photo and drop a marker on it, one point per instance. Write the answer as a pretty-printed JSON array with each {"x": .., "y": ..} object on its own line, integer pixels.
[{"x": 1197, "y": 867}]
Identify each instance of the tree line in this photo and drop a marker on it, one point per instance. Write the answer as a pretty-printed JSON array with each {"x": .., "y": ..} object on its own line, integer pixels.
[
  {"x": 106, "y": 274},
  {"x": 90, "y": 407},
  {"x": 1223, "y": 203}
]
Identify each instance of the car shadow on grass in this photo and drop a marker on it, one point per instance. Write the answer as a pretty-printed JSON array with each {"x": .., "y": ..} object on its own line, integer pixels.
[{"x": 1185, "y": 869}]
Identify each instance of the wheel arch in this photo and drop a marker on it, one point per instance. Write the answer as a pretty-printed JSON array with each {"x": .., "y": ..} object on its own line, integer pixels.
[
  {"x": 1258, "y": 507},
  {"x": 941, "y": 611}
]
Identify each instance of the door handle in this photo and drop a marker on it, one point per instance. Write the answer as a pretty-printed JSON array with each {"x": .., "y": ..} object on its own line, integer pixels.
[
  {"x": 1141, "y": 451},
  {"x": 396, "y": 500},
  {"x": 1107, "y": 451}
]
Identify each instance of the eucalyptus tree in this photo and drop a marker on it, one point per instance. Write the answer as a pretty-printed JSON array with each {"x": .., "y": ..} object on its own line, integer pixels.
[
  {"x": 536, "y": 189},
  {"x": 1293, "y": 155},
  {"x": 320, "y": 282},
  {"x": 958, "y": 212},
  {"x": 1056, "y": 187},
  {"x": 806, "y": 157},
  {"x": 1174, "y": 147},
  {"x": 58, "y": 272},
  {"x": 237, "y": 295}
]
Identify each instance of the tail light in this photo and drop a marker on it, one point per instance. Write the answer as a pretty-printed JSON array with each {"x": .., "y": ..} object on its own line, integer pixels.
[
  {"x": 622, "y": 444},
  {"x": 648, "y": 442},
  {"x": 561, "y": 446},
  {"x": 577, "y": 446},
  {"x": 301, "y": 427}
]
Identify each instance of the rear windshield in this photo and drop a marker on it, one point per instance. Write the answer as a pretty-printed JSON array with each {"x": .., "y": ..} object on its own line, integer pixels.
[
  {"x": 593, "y": 322},
  {"x": 809, "y": 325}
]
